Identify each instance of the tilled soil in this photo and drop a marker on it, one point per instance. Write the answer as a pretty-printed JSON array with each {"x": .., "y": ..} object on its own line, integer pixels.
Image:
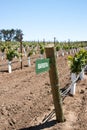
[{"x": 26, "y": 100}]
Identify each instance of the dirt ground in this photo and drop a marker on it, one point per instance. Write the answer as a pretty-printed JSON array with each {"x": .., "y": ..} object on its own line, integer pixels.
[{"x": 26, "y": 100}]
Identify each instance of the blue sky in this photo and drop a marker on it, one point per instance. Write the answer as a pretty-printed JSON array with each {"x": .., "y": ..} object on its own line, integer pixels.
[{"x": 46, "y": 19}]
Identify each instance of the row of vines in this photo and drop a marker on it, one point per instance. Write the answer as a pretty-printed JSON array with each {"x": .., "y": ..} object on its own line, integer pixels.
[{"x": 10, "y": 51}]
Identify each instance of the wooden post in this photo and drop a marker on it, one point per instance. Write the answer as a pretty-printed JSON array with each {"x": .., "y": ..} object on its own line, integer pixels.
[
  {"x": 21, "y": 52},
  {"x": 43, "y": 41},
  {"x": 54, "y": 40},
  {"x": 20, "y": 39},
  {"x": 53, "y": 74}
]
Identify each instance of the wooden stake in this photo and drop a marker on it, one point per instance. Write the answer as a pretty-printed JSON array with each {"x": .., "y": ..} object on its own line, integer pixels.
[
  {"x": 54, "y": 40},
  {"x": 53, "y": 74},
  {"x": 21, "y": 52}
]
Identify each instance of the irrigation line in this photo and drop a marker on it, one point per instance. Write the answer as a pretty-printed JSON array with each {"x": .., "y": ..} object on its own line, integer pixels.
[
  {"x": 63, "y": 94},
  {"x": 48, "y": 117}
]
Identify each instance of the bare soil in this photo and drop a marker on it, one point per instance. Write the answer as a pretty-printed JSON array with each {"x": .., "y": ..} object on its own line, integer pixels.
[{"x": 26, "y": 100}]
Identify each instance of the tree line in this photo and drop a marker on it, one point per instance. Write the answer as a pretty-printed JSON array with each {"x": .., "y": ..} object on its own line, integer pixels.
[{"x": 11, "y": 35}]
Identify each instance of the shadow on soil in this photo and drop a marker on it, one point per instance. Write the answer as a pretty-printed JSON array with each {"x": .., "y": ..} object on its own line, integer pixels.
[{"x": 41, "y": 126}]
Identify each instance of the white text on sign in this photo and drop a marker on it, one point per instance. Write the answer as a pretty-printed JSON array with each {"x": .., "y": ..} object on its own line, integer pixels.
[{"x": 42, "y": 65}]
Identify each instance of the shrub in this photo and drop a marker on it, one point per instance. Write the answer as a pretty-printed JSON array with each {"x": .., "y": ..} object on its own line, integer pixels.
[{"x": 78, "y": 61}]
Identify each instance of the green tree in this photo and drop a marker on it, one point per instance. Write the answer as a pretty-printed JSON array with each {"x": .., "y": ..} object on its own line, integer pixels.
[
  {"x": 11, "y": 34},
  {"x": 8, "y": 34},
  {"x": 18, "y": 35},
  {"x": 0, "y": 36}
]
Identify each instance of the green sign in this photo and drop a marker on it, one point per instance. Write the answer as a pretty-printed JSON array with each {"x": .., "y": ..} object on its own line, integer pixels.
[{"x": 42, "y": 65}]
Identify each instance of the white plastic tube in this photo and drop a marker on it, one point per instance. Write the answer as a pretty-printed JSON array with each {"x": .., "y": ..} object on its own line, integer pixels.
[
  {"x": 73, "y": 77},
  {"x": 73, "y": 85},
  {"x": 41, "y": 56},
  {"x": 57, "y": 54},
  {"x": 73, "y": 89},
  {"x": 82, "y": 74},
  {"x": 62, "y": 53},
  {"x": 29, "y": 62},
  {"x": 2, "y": 55},
  {"x": 9, "y": 67}
]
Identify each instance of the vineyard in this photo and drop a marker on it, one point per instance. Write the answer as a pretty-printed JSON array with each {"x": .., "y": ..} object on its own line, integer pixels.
[
  {"x": 13, "y": 52},
  {"x": 26, "y": 98}
]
